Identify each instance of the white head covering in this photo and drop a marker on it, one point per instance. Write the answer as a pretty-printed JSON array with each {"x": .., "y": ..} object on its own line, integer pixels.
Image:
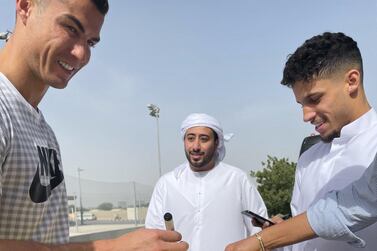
[{"x": 202, "y": 119}]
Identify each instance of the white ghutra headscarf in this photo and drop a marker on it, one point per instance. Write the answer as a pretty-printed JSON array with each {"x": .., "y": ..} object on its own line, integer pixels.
[{"x": 202, "y": 119}]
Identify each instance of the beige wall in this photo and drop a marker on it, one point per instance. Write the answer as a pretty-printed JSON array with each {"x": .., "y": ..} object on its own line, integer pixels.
[{"x": 141, "y": 213}]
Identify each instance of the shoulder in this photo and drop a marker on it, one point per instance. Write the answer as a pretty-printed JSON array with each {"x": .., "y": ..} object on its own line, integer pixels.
[
  {"x": 232, "y": 170},
  {"x": 371, "y": 131},
  {"x": 363, "y": 145},
  {"x": 169, "y": 179},
  {"x": 315, "y": 152},
  {"x": 172, "y": 175}
]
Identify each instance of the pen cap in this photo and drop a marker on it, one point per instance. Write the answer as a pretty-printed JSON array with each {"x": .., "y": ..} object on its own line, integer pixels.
[
  {"x": 168, "y": 217},
  {"x": 169, "y": 221}
]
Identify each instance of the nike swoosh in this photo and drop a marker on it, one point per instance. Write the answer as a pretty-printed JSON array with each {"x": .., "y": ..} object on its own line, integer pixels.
[{"x": 40, "y": 193}]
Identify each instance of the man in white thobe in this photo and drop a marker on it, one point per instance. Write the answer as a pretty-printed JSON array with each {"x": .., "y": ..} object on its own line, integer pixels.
[
  {"x": 326, "y": 75},
  {"x": 205, "y": 195}
]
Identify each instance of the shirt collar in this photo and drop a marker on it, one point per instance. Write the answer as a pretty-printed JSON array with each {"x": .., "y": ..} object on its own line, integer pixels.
[
  {"x": 356, "y": 127},
  {"x": 186, "y": 168}
]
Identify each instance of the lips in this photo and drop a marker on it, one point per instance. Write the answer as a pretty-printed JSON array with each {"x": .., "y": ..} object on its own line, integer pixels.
[
  {"x": 196, "y": 156},
  {"x": 320, "y": 128}
]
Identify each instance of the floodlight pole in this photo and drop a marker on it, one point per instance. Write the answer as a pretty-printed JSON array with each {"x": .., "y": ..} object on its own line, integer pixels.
[
  {"x": 155, "y": 112},
  {"x": 81, "y": 211}
]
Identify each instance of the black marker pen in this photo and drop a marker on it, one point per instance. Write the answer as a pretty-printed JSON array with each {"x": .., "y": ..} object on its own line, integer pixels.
[{"x": 169, "y": 224}]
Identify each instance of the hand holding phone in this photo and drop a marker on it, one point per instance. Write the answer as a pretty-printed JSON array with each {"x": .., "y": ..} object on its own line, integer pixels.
[{"x": 257, "y": 218}]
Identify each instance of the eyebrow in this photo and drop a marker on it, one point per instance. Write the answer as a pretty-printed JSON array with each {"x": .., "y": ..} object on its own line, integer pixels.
[
  {"x": 76, "y": 21},
  {"x": 199, "y": 135},
  {"x": 80, "y": 26},
  {"x": 309, "y": 96}
]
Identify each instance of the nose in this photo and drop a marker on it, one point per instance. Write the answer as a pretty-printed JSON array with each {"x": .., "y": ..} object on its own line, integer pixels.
[
  {"x": 196, "y": 145},
  {"x": 308, "y": 113},
  {"x": 81, "y": 52}
]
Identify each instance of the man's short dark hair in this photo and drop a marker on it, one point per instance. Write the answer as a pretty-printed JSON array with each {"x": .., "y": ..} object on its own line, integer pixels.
[
  {"x": 320, "y": 57},
  {"x": 102, "y": 6}
]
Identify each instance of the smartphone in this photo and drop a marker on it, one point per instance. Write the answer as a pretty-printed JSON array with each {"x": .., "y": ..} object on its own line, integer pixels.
[{"x": 257, "y": 217}]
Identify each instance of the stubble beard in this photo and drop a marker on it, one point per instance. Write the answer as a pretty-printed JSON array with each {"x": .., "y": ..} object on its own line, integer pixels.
[
  {"x": 331, "y": 137},
  {"x": 203, "y": 163}
]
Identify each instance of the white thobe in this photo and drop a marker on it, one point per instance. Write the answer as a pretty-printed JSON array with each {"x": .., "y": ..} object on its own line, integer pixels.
[
  {"x": 332, "y": 166},
  {"x": 206, "y": 206}
]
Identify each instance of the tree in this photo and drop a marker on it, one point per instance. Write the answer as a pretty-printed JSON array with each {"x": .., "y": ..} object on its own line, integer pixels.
[
  {"x": 107, "y": 206},
  {"x": 275, "y": 184}
]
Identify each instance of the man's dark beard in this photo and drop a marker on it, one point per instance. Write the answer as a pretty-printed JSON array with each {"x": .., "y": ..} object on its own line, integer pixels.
[
  {"x": 330, "y": 138},
  {"x": 205, "y": 161}
]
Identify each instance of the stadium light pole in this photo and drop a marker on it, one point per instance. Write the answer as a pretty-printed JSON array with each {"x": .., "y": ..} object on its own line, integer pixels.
[
  {"x": 81, "y": 212},
  {"x": 154, "y": 111}
]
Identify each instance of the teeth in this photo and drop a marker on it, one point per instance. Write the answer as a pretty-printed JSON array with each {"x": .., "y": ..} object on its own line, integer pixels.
[{"x": 65, "y": 65}]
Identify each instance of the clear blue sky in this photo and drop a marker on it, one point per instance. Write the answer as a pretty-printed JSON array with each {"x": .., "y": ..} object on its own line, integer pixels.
[{"x": 220, "y": 57}]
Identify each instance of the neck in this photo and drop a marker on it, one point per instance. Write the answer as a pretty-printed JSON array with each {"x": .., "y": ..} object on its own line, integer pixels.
[
  {"x": 361, "y": 106},
  {"x": 205, "y": 168},
  {"x": 14, "y": 66}
]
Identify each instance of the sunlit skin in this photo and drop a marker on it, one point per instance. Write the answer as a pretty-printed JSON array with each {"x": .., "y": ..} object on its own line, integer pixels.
[
  {"x": 56, "y": 37},
  {"x": 200, "y": 148},
  {"x": 288, "y": 232},
  {"x": 331, "y": 103}
]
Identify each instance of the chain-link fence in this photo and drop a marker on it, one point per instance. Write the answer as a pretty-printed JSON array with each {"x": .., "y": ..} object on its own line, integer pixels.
[{"x": 107, "y": 202}]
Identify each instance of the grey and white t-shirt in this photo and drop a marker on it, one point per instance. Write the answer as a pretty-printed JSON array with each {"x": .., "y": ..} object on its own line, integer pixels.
[{"x": 33, "y": 199}]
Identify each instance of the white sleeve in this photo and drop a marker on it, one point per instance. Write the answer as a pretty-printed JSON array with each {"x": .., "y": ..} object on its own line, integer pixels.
[
  {"x": 154, "y": 218},
  {"x": 296, "y": 191},
  {"x": 347, "y": 211},
  {"x": 252, "y": 200}
]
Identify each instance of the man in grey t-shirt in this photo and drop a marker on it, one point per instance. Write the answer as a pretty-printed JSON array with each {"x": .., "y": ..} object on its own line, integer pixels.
[{"x": 50, "y": 43}]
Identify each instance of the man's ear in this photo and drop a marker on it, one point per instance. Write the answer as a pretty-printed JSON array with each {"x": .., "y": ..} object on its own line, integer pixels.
[
  {"x": 23, "y": 9},
  {"x": 353, "y": 80}
]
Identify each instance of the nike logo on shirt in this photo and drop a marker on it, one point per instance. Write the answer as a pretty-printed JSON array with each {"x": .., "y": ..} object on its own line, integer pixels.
[{"x": 47, "y": 177}]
